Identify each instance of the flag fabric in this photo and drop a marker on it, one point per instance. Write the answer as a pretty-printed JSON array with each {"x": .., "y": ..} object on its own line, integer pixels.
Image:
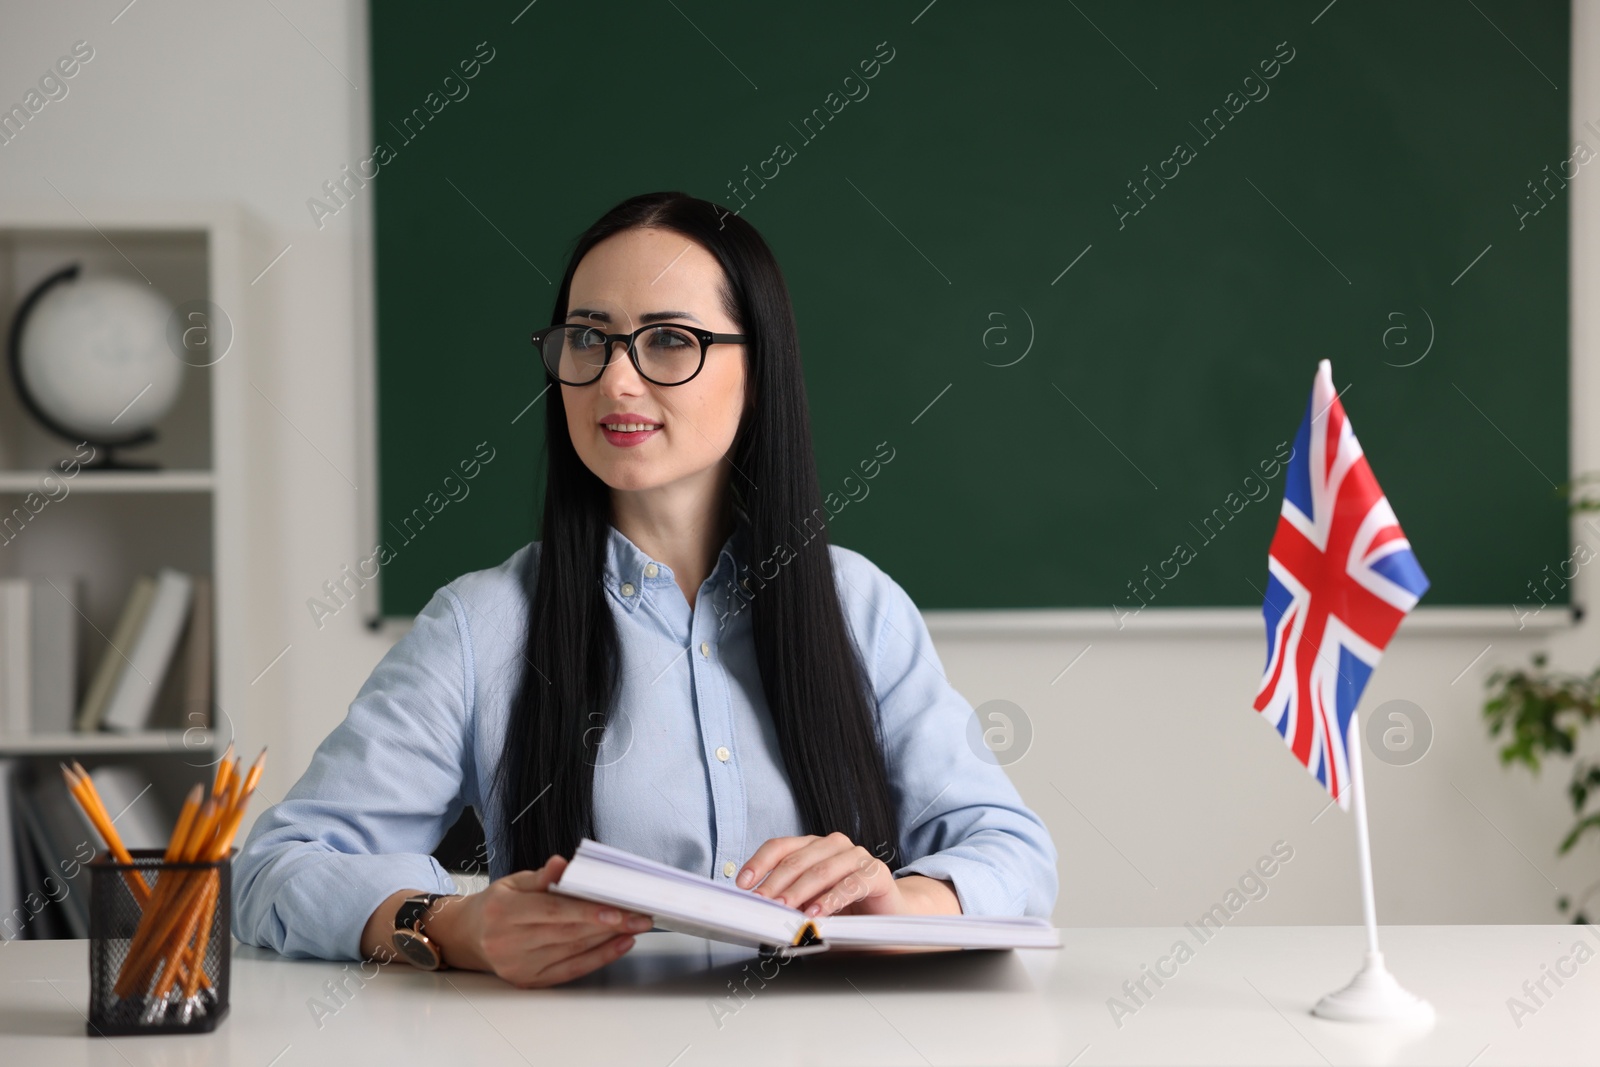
[{"x": 1340, "y": 578}]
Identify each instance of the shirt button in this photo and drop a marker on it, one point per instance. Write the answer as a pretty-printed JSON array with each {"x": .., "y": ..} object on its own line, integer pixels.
[
  {"x": 651, "y": 570},
  {"x": 727, "y": 869},
  {"x": 723, "y": 754},
  {"x": 627, "y": 588},
  {"x": 705, "y": 649}
]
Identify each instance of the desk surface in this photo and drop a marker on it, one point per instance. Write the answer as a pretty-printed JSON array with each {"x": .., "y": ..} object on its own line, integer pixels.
[{"x": 1243, "y": 997}]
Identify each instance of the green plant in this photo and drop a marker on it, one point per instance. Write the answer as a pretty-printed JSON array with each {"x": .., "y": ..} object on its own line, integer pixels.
[
  {"x": 1579, "y": 501},
  {"x": 1543, "y": 712}
]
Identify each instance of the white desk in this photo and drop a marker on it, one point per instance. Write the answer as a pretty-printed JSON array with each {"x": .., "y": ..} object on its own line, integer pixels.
[{"x": 1243, "y": 998}]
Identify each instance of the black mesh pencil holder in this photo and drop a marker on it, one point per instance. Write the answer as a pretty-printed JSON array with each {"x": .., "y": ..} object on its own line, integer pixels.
[{"x": 160, "y": 943}]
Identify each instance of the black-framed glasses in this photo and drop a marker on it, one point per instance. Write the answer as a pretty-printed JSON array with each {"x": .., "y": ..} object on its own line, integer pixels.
[{"x": 662, "y": 353}]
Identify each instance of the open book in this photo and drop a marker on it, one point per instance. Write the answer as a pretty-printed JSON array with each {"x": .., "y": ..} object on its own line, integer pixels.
[{"x": 692, "y": 904}]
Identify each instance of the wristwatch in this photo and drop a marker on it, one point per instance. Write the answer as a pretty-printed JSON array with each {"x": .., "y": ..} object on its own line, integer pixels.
[{"x": 409, "y": 938}]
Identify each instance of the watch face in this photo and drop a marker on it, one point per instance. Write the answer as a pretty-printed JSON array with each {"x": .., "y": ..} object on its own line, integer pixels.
[{"x": 416, "y": 948}]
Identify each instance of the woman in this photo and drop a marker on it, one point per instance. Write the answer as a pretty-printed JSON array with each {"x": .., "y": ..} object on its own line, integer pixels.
[{"x": 672, "y": 670}]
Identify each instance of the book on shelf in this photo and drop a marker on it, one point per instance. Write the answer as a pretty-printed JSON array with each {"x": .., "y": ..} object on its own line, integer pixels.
[
  {"x": 159, "y": 657},
  {"x": 38, "y": 654},
  {"x": 11, "y": 924},
  {"x": 185, "y": 699},
  {"x": 45, "y": 840},
  {"x": 36, "y": 919},
  {"x": 194, "y": 702},
  {"x": 132, "y": 699},
  {"x": 16, "y": 696},
  {"x": 63, "y": 840},
  {"x": 54, "y": 655},
  {"x": 113, "y": 658},
  {"x": 693, "y": 904}
]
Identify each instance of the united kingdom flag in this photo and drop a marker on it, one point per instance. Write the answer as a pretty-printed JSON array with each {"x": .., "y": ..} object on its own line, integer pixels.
[{"x": 1340, "y": 578}]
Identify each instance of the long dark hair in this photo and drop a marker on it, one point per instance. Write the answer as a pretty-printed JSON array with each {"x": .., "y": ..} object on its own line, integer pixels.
[{"x": 818, "y": 692}]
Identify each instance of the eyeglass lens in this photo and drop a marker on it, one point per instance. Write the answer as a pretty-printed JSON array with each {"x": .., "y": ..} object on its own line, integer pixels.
[{"x": 577, "y": 354}]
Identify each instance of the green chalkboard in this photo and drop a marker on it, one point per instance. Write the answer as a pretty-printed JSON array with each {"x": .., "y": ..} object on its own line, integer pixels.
[{"x": 1074, "y": 263}]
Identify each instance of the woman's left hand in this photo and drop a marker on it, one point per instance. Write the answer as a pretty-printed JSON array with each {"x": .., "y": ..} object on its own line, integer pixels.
[{"x": 824, "y": 875}]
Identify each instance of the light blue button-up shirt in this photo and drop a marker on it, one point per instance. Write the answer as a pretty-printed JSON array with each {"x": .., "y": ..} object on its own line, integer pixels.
[{"x": 688, "y": 770}]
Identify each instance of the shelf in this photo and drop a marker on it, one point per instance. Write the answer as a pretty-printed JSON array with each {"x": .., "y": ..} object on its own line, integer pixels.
[
  {"x": 120, "y": 481},
  {"x": 109, "y": 744},
  {"x": 123, "y": 523}
]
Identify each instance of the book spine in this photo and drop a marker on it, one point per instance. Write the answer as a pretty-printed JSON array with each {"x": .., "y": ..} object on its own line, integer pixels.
[
  {"x": 197, "y": 657},
  {"x": 16, "y": 696},
  {"x": 114, "y": 659},
  {"x": 134, "y": 697},
  {"x": 54, "y": 657}
]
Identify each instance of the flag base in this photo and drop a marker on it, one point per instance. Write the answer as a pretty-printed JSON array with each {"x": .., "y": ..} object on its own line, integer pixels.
[{"x": 1373, "y": 995}]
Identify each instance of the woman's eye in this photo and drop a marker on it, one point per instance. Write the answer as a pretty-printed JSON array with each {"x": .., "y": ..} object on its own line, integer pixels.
[{"x": 668, "y": 339}]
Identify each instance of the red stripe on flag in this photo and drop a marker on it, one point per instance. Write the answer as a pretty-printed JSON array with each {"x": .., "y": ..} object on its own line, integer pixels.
[
  {"x": 1305, "y": 657},
  {"x": 1329, "y": 738},
  {"x": 1265, "y": 696},
  {"x": 1330, "y": 444},
  {"x": 1387, "y": 534}
]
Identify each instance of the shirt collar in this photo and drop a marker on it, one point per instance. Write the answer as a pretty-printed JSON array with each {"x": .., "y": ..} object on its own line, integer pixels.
[{"x": 629, "y": 570}]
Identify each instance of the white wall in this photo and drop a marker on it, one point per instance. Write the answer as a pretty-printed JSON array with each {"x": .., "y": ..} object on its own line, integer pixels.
[{"x": 1160, "y": 785}]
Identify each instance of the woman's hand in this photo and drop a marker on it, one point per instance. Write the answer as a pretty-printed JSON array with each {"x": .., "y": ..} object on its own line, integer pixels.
[
  {"x": 825, "y": 875},
  {"x": 530, "y": 937}
]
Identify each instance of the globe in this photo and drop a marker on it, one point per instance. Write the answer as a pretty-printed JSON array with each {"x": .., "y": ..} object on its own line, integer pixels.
[{"x": 93, "y": 357}]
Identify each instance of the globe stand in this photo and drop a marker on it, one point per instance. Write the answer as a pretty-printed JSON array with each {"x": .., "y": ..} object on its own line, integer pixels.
[{"x": 106, "y": 458}]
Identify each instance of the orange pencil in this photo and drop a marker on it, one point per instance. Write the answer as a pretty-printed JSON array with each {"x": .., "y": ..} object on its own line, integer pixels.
[
  {"x": 186, "y": 818},
  {"x": 181, "y": 918},
  {"x": 221, "y": 781},
  {"x": 82, "y": 790},
  {"x": 153, "y": 925},
  {"x": 172, "y": 956},
  {"x": 169, "y": 936},
  {"x": 197, "y": 951},
  {"x": 82, "y": 787},
  {"x": 174, "y": 932},
  {"x": 208, "y": 907},
  {"x": 255, "y": 772}
]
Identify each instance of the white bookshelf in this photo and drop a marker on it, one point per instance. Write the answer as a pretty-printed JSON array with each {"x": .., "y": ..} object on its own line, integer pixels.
[
  {"x": 113, "y": 525},
  {"x": 21, "y": 482},
  {"x": 192, "y": 743}
]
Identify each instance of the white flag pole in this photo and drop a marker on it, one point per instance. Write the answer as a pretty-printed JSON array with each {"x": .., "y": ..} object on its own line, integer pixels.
[
  {"x": 1372, "y": 995},
  {"x": 1358, "y": 800}
]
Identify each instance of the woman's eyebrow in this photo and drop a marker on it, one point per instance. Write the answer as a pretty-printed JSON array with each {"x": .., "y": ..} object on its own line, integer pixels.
[{"x": 651, "y": 316}]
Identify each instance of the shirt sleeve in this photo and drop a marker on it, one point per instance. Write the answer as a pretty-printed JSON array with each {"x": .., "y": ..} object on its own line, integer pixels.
[
  {"x": 963, "y": 819},
  {"x": 380, "y": 792}
]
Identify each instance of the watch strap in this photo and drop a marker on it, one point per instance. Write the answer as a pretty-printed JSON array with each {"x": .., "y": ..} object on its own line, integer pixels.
[{"x": 412, "y": 910}]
